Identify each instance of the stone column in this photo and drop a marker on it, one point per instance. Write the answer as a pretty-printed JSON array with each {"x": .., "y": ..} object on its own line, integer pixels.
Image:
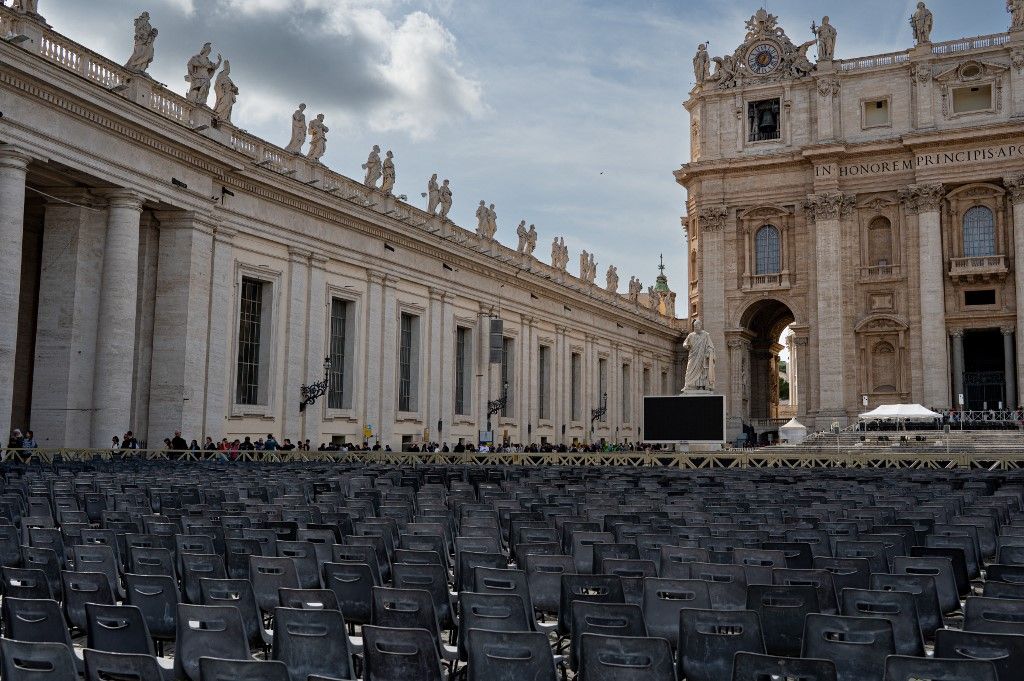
[
  {"x": 115, "y": 333},
  {"x": 296, "y": 330},
  {"x": 921, "y": 82},
  {"x": 1017, "y": 74},
  {"x": 825, "y": 210},
  {"x": 218, "y": 358},
  {"x": 374, "y": 352},
  {"x": 798, "y": 358},
  {"x": 180, "y": 327},
  {"x": 483, "y": 374},
  {"x": 447, "y": 379},
  {"x": 74, "y": 232},
  {"x": 316, "y": 347},
  {"x": 926, "y": 200},
  {"x": 389, "y": 367},
  {"x": 1015, "y": 187},
  {"x": 431, "y": 390},
  {"x": 710, "y": 232},
  {"x": 1009, "y": 369},
  {"x": 958, "y": 366},
  {"x": 13, "y": 169},
  {"x": 149, "y": 247}
]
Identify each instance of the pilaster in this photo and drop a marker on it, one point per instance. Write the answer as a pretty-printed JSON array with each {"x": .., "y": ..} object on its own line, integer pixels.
[
  {"x": 374, "y": 352},
  {"x": 180, "y": 329},
  {"x": 74, "y": 236},
  {"x": 295, "y": 343},
  {"x": 13, "y": 170},
  {"x": 317, "y": 335},
  {"x": 925, "y": 200},
  {"x": 826, "y": 210},
  {"x": 216, "y": 405}
]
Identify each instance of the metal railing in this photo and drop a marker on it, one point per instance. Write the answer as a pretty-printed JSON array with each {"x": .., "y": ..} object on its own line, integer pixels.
[{"x": 774, "y": 457}]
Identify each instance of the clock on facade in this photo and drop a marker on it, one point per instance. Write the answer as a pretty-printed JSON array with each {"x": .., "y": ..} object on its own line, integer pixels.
[{"x": 764, "y": 58}]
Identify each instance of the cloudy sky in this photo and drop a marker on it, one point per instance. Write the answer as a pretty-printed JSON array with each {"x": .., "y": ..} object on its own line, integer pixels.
[{"x": 565, "y": 113}]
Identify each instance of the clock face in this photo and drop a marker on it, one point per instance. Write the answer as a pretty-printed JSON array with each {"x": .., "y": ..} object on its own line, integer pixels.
[{"x": 763, "y": 58}]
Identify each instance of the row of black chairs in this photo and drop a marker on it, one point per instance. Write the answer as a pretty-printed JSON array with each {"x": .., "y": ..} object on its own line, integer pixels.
[{"x": 625, "y": 554}]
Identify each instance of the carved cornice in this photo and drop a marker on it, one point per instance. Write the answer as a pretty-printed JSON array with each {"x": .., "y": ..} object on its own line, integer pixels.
[
  {"x": 829, "y": 205},
  {"x": 712, "y": 218},
  {"x": 1015, "y": 187},
  {"x": 921, "y": 197}
]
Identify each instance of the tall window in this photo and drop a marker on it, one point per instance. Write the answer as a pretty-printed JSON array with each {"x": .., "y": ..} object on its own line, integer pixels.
[
  {"x": 627, "y": 390},
  {"x": 979, "y": 232},
  {"x": 508, "y": 372},
  {"x": 576, "y": 379},
  {"x": 543, "y": 382},
  {"x": 880, "y": 242},
  {"x": 337, "y": 395},
  {"x": 763, "y": 120},
  {"x": 766, "y": 250},
  {"x": 248, "y": 389},
  {"x": 408, "y": 362},
  {"x": 463, "y": 352},
  {"x": 602, "y": 384}
]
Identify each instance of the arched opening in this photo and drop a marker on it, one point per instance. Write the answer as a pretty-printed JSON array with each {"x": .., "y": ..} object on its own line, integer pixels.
[
  {"x": 766, "y": 251},
  {"x": 760, "y": 354},
  {"x": 979, "y": 232},
  {"x": 880, "y": 242}
]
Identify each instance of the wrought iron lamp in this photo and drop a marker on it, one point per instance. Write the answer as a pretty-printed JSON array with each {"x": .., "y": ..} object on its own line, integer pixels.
[{"x": 310, "y": 393}]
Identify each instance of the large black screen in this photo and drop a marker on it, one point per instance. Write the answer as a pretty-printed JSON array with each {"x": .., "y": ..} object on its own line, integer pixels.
[{"x": 690, "y": 418}]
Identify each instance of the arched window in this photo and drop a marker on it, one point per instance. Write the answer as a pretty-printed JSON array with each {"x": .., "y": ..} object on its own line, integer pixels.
[
  {"x": 979, "y": 232},
  {"x": 883, "y": 368},
  {"x": 766, "y": 250},
  {"x": 879, "y": 242}
]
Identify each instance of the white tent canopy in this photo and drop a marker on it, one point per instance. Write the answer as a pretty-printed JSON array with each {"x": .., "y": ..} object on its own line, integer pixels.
[{"x": 899, "y": 412}]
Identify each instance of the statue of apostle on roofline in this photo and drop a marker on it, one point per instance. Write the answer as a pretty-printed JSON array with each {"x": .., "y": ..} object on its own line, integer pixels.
[{"x": 700, "y": 360}]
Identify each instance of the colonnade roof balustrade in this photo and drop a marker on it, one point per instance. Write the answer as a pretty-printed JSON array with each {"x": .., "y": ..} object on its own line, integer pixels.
[{"x": 262, "y": 160}]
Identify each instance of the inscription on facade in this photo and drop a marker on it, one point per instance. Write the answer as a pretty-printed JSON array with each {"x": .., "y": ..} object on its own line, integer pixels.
[{"x": 943, "y": 158}]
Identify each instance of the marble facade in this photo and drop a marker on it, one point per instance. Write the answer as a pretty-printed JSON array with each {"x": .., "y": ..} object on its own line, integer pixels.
[
  {"x": 133, "y": 222},
  {"x": 875, "y": 206}
]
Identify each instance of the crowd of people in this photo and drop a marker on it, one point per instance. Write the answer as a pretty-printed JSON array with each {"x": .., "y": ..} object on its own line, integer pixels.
[{"x": 230, "y": 448}]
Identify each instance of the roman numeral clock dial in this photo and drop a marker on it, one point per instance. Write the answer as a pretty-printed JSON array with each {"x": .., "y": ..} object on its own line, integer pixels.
[{"x": 763, "y": 58}]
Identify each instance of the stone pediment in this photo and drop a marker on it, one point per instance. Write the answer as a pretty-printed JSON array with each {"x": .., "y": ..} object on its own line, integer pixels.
[
  {"x": 877, "y": 202},
  {"x": 766, "y": 55},
  {"x": 971, "y": 71},
  {"x": 881, "y": 323},
  {"x": 764, "y": 214}
]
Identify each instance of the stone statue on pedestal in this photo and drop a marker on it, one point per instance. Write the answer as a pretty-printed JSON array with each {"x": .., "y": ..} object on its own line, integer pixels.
[
  {"x": 611, "y": 279},
  {"x": 317, "y": 138},
  {"x": 635, "y": 288},
  {"x": 387, "y": 182},
  {"x": 1016, "y": 10},
  {"x": 702, "y": 64},
  {"x": 826, "y": 34},
  {"x": 531, "y": 240},
  {"x": 921, "y": 22},
  {"x": 521, "y": 233},
  {"x": 444, "y": 197},
  {"x": 653, "y": 299},
  {"x": 26, "y": 6},
  {"x": 199, "y": 75},
  {"x": 226, "y": 92},
  {"x": 145, "y": 38},
  {"x": 372, "y": 167},
  {"x": 700, "y": 359},
  {"x": 298, "y": 131},
  {"x": 482, "y": 216},
  {"x": 433, "y": 194},
  {"x": 492, "y": 222},
  {"x": 559, "y": 254}
]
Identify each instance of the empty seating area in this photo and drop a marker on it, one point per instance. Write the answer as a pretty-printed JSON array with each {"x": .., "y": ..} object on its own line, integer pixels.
[{"x": 157, "y": 571}]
